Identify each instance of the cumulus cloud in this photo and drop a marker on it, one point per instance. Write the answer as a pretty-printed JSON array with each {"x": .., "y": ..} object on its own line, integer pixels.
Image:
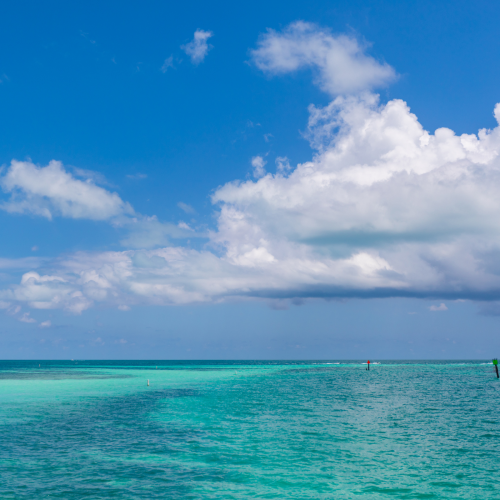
[
  {"x": 384, "y": 207},
  {"x": 45, "y": 324},
  {"x": 51, "y": 190},
  {"x": 340, "y": 63},
  {"x": 198, "y": 48},
  {"x": 51, "y": 292}
]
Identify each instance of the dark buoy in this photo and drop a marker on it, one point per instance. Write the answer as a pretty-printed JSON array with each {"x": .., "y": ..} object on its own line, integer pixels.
[
  {"x": 368, "y": 363},
  {"x": 495, "y": 362}
]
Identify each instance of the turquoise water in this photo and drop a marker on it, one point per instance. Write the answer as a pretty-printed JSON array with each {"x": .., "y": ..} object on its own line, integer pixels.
[{"x": 239, "y": 430}]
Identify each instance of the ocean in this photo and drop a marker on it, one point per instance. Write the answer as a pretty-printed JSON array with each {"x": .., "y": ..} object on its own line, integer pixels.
[{"x": 249, "y": 429}]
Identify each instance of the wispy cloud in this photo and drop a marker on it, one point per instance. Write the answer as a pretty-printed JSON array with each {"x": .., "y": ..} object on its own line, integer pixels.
[
  {"x": 187, "y": 208},
  {"x": 90, "y": 176},
  {"x": 168, "y": 63},
  {"x": 86, "y": 36},
  {"x": 137, "y": 177}
]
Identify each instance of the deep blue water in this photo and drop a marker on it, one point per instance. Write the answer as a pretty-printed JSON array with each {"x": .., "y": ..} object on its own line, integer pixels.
[{"x": 239, "y": 430}]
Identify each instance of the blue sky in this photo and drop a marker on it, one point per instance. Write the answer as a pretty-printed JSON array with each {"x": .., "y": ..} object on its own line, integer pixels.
[{"x": 249, "y": 180}]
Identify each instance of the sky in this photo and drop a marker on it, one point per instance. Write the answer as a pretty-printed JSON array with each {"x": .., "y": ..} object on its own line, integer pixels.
[{"x": 249, "y": 180}]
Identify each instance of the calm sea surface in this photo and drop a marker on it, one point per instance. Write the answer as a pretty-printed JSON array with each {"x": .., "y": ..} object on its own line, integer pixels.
[{"x": 241, "y": 430}]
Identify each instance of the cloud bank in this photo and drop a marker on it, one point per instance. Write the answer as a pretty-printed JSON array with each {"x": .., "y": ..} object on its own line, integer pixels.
[{"x": 384, "y": 208}]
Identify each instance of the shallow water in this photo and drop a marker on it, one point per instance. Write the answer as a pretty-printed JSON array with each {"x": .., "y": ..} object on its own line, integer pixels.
[{"x": 249, "y": 430}]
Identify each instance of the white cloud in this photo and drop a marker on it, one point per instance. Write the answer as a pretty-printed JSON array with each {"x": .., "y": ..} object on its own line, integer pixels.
[
  {"x": 168, "y": 63},
  {"x": 51, "y": 292},
  {"x": 258, "y": 164},
  {"x": 441, "y": 307},
  {"x": 340, "y": 63},
  {"x": 123, "y": 307},
  {"x": 25, "y": 318},
  {"x": 198, "y": 48},
  {"x": 45, "y": 324},
  {"x": 51, "y": 190}
]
